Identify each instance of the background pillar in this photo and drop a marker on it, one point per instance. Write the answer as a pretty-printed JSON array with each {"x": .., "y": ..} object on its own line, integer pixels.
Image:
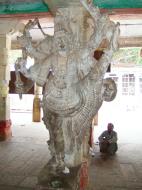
[
  {"x": 7, "y": 28},
  {"x": 37, "y": 104},
  {"x": 5, "y": 122}
]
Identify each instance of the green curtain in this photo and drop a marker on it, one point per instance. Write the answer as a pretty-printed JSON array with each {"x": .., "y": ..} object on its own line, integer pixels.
[
  {"x": 118, "y": 4},
  {"x": 23, "y": 7}
]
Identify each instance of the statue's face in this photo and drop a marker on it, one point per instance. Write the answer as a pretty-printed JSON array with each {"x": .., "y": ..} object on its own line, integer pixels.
[{"x": 61, "y": 43}]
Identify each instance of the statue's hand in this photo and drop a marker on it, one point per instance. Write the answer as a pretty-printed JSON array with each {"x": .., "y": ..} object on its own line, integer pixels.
[
  {"x": 20, "y": 66},
  {"x": 30, "y": 25},
  {"x": 24, "y": 41},
  {"x": 20, "y": 61}
]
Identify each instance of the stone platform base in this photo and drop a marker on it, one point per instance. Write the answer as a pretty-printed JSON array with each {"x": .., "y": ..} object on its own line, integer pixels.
[
  {"x": 46, "y": 188},
  {"x": 5, "y": 129},
  {"x": 77, "y": 179}
]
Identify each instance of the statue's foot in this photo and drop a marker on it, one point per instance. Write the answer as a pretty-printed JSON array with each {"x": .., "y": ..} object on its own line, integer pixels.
[
  {"x": 56, "y": 167},
  {"x": 66, "y": 170},
  {"x": 66, "y": 180}
]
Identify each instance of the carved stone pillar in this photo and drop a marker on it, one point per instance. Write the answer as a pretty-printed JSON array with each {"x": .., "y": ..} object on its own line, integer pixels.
[{"x": 74, "y": 87}]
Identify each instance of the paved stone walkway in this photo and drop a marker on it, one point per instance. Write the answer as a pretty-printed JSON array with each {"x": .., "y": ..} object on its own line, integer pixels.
[
  {"x": 120, "y": 172},
  {"x": 21, "y": 159}
]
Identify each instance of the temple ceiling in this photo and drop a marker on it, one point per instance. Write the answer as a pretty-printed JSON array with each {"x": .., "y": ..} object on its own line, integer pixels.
[
  {"x": 30, "y": 6},
  {"x": 128, "y": 13}
]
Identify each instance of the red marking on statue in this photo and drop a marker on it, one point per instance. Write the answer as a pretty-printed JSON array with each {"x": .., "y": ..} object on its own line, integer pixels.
[
  {"x": 84, "y": 178},
  {"x": 5, "y": 129}
]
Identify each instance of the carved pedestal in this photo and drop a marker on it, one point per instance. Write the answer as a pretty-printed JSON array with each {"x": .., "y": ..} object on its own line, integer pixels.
[{"x": 77, "y": 179}]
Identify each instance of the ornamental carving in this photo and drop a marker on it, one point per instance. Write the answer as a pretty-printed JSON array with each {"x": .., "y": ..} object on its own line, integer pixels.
[{"x": 73, "y": 79}]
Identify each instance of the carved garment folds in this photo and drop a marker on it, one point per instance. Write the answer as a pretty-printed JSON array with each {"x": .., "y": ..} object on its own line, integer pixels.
[{"x": 74, "y": 82}]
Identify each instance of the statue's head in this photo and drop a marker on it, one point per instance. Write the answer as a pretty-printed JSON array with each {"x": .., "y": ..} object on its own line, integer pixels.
[
  {"x": 61, "y": 41},
  {"x": 63, "y": 35}
]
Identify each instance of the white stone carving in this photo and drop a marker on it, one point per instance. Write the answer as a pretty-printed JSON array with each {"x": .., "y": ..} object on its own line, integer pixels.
[{"x": 74, "y": 82}]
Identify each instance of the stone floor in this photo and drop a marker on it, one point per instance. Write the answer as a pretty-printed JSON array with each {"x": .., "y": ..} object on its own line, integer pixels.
[
  {"x": 120, "y": 172},
  {"x": 21, "y": 159}
]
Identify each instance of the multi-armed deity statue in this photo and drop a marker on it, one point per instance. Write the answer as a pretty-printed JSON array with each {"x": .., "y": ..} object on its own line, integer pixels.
[{"x": 73, "y": 80}]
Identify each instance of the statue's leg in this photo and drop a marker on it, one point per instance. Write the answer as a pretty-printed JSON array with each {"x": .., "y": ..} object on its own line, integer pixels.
[{"x": 56, "y": 141}]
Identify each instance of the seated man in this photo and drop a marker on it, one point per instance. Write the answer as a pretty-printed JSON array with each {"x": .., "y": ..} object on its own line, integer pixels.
[{"x": 108, "y": 140}]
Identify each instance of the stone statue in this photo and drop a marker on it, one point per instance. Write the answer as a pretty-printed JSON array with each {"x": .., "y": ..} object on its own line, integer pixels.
[{"x": 73, "y": 81}]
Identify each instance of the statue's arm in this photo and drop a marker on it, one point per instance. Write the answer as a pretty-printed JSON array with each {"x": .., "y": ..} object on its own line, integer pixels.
[
  {"x": 104, "y": 29},
  {"x": 106, "y": 58},
  {"x": 98, "y": 22},
  {"x": 88, "y": 5},
  {"x": 37, "y": 72},
  {"x": 40, "y": 51}
]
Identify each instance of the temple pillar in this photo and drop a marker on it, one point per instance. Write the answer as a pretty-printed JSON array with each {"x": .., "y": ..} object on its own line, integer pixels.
[
  {"x": 36, "y": 104},
  {"x": 7, "y": 27},
  {"x": 5, "y": 122}
]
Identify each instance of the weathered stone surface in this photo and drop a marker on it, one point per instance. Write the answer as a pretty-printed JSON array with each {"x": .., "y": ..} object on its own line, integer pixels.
[{"x": 74, "y": 82}]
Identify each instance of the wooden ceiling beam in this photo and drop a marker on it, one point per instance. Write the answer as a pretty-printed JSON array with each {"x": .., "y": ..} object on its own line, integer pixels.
[
  {"x": 130, "y": 42},
  {"x": 123, "y": 14},
  {"x": 26, "y": 16}
]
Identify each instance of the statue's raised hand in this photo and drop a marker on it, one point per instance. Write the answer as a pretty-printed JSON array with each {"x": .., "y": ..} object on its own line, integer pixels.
[{"x": 24, "y": 41}]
